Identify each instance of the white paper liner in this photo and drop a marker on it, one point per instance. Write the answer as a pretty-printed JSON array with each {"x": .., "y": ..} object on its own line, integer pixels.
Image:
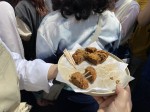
[{"x": 112, "y": 67}]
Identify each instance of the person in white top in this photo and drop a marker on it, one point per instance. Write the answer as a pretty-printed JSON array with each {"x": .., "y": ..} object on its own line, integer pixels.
[
  {"x": 33, "y": 75},
  {"x": 76, "y": 21},
  {"x": 73, "y": 28}
]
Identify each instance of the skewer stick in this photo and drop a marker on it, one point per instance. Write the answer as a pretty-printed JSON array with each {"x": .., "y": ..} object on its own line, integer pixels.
[
  {"x": 86, "y": 74},
  {"x": 69, "y": 58}
]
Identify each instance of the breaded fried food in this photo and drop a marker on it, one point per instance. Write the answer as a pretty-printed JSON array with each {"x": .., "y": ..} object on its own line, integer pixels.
[
  {"x": 80, "y": 51},
  {"x": 90, "y": 54},
  {"x": 90, "y": 49},
  {"x": 103, "y": 55},
  {"x": 93, "y": 58},
  {"x": 90, "y": 74},
  {"x": 79, "y": 80},
  {"x": 78, "y": 56}
]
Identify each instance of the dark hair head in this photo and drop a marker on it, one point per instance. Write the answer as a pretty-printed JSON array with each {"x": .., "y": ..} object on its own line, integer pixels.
[{"x": 81, "y": 9}]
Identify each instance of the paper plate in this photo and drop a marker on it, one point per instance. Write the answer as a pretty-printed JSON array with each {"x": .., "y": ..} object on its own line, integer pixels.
[{"x": 103, "y": 85}]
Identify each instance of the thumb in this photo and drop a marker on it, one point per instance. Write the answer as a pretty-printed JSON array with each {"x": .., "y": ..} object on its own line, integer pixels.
[
  {"x": 123, "y": 93},
  {"x": 119, "y": 89}
]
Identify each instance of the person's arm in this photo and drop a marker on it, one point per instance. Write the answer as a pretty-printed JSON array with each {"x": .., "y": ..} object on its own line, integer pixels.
[
  {"x": 128, "y": 18},
  {"x": 34, "y": 75},
  {"x": 144, "y": 15},
  {"x": 8, "y": 29},
  {"x": 121, "y": 102}
]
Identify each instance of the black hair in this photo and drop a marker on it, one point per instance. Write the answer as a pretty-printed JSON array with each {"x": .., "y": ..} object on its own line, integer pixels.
[{"x": 81, "y": 9}]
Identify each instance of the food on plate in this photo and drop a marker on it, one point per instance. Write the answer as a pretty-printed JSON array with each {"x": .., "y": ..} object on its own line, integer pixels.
[
  {"x": 90, "y": 54},
  {"x": 93, "y": 58},
  {"x": 90, "y": 74},
  {"x": 78, "y": 56},
  {"x": 103, "y": 55},
  {"x": 79, "y": 80},
  {"x": 90, "y": 49}
]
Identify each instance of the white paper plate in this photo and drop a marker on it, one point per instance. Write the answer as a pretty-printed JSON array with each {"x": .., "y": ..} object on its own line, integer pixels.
[{"x": 66, "y": 69}]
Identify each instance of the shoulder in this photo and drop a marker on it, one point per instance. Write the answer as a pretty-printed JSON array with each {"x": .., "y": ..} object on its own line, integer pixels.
[
  {"x": 24, "y": 4},
  {"x": 52, "y": 18},
  {"x": 109, "y": 16},
  {"x": 25, "y": 9},
  {"x": 51, "y": 22},
  {"x": 134, "y": 4},
  {"x": 134, "y": 8},
  {"x": 5, "y": 5}
]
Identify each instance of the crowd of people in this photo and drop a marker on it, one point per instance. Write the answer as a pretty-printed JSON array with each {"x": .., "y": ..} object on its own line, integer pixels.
[{"x": 34, "y": 33}]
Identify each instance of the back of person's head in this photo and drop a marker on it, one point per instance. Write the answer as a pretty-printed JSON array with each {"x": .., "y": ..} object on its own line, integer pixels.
[{"x": 81, "y": 9}]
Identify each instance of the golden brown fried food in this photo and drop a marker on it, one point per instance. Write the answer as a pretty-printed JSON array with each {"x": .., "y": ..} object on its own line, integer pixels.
[
  {"x": 78, "y": 56},
  {"x": 103, "y": 55},
  {"x": 90, "y": 54},
  {"x": 93, "y": 58},
  {"x": 80, "y": 51},
  {"x": 79, "y": 80},
  {"x": 102, "y": 52},
  {"x": 90, "y": 49},
  {"x": 90, "y": 74}
]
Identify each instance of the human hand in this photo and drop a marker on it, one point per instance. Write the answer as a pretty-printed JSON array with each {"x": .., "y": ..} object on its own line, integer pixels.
[
  {"x": 52, "y": 72},
  {"x": 121, "y": 102}
]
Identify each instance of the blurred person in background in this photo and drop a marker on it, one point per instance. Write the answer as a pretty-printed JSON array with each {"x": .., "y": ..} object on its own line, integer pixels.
[
  {"x": 15, "y": 71},
  {"x": 141, "y": 93}
]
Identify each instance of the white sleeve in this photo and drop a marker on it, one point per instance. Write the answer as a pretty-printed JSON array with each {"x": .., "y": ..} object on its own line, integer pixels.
[
  {"x": 110, "y": 30},
  {"x": 8, "y": 28},
  {"x": 32, "y": 74},
  {"x": 127, "y": 21}
]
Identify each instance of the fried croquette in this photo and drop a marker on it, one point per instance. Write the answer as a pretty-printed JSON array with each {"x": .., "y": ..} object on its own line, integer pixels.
[
  {"x": 79, "y": 80},
  {"x": 93, "y": 58},
  {"x": 103, "y": 55},
  {"x": 90, "y": 49},
  {"x": 78, "y": 56},
  {"x": 90, "y": 74},
  {"x": 90, "y": 54}
]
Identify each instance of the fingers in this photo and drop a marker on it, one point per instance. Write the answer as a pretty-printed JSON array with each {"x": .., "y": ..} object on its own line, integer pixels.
[
  {"x": 99, "y": 99},
  {"x": 123, "y": 95},
  {"x": 101, "y": 110},
  {"x": 107, "y": 101},
  {"x": 119, "y": 88},
  {"x": 122, "y": 92},
  {"x": 52, "y": 72}
]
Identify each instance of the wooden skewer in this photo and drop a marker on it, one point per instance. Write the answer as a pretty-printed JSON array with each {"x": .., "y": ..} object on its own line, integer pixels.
[
  {"x": 87, "y": 76},
  {"x": 86, "y": 73},
  {"x": 69, "y": 58}
]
